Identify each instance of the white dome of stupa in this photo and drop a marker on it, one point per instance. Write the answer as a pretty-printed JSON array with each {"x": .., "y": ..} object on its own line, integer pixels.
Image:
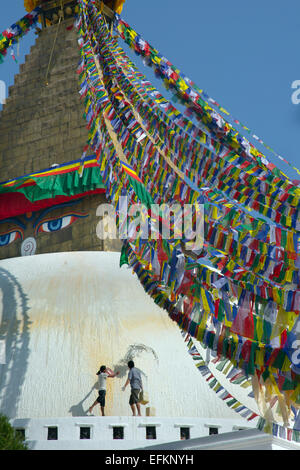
[{"x": 65, "y": 314}]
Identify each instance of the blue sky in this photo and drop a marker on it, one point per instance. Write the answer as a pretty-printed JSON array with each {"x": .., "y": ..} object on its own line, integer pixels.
[{"x": 245, "y": 55}]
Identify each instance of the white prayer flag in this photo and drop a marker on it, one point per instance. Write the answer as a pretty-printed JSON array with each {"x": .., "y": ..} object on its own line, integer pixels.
[{"x": 2, "y": 352}]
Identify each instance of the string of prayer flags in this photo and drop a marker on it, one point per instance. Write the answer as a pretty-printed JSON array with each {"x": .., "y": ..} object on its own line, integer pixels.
[
  {"x": 16, "y": 31},
  {"x": 206, "y": 372},
  {"x": 190, "y": 93},
  {"x": 238, "y": 293}
]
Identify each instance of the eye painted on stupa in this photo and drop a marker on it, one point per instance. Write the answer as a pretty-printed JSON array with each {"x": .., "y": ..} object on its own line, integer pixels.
[
  {"x": 56, "y": 224},
  {"x": 10, "y": 237}
]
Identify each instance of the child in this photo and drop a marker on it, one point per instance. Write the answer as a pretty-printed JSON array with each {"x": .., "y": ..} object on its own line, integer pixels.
[{"x": 104, "y": 373}]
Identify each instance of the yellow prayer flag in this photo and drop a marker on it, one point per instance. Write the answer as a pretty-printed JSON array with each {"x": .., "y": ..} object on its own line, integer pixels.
[
  {"x": 204, "y": 301},
  {"x": 224, "y": 111}
]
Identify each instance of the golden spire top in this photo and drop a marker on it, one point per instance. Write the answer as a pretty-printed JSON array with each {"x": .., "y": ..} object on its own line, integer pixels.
[
  {"x": 116, "y": 5},
  {"x": 31, "y": 4}
]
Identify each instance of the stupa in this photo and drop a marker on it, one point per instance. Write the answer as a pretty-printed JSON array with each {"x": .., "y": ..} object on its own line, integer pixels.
[{"x": 66, "y": 307}]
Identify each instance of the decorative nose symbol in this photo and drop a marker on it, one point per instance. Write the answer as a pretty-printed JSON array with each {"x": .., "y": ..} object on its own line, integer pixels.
[{"x": 28, "y": 247}]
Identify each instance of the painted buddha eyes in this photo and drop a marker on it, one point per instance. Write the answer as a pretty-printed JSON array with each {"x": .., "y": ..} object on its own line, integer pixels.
[
  {"x": 54, "y": 225},
  {"x": 43, "y": 225},
  {"x": 8, "y": 238}
]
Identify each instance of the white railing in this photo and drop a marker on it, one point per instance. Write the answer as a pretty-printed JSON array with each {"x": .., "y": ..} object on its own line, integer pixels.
[{"x": 119, "y": 432}]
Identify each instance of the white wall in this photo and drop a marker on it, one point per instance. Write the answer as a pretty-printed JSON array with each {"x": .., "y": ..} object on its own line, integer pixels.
[{"x": 167, "y": 430}]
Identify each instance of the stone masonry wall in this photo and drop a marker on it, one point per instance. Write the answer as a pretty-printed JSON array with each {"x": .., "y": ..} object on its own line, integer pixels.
[{"x": 42, "y": 125}]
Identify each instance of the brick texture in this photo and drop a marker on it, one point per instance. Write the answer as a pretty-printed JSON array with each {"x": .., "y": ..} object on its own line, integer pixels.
[{"x": 42, "y": 125}]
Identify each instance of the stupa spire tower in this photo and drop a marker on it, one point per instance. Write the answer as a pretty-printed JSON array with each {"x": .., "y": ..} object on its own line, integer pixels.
[
  {"x": 54, "y": 10},
  {"x": 42, "y": 127}
]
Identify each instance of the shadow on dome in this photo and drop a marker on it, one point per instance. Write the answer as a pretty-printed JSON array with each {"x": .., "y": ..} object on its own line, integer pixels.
[{"x": 14, "y": 331}]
